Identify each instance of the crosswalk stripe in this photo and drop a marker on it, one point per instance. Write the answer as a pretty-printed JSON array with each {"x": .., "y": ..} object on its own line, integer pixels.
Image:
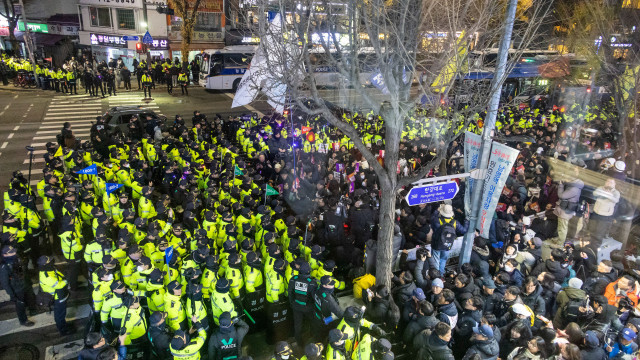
[
  {"x": 85, "y": 117},
  {"x": 75, "y": 105},
  {"x": 77, "y": 124},
  {"x": 54, "y": 137}
]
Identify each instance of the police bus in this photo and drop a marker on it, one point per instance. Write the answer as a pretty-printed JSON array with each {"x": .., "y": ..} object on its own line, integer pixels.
[{"x": 222, "y": 69}]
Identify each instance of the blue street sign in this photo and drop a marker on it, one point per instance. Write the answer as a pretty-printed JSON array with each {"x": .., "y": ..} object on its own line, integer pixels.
[
  {"x": 131, "y": 38},
  {"x": 147, "y": 39},
  {"x": 432, "y": 193}
]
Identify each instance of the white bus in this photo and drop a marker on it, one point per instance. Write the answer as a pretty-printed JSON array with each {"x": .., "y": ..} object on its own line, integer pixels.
[{"x": 222, "y": 69}]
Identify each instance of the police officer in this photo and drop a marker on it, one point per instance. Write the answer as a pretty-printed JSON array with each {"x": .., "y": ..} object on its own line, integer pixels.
[
  {"x": 221, "y": 301},
  {"x": 336, "y": 347},
  {"x": 313, "y": 352},
  {"x": 253, "y": 301},
  {"x": 302, "y": 288},
  {"x": 283, "y": 351},
  {"x": 176, "y": 318},
  {"x": 53, "y": 283},
  {"x": 113, "y": 309},
  {"x": 194, "y": 306},
  {"x": 375, "y": 349},
  {"x": 147, "y": 82},
  {"x": 159, "y": 336},
  {"x": 277, "y": 305},
  {"x": 134, "y": 323},
  {"x": 351, "y": 323},
  {"x": 327, "y": 308},
  {"x": 226, "y": 342},
  {"x": 183, "y": 80},
  {"x": 183, "y": 347},
  {"x": 15, "y": 281}
]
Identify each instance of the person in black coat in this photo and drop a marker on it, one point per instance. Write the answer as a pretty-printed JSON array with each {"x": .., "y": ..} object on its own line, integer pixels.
[
  {"x": 15, "y": 281},
  {"x": 125, "y": 74},
  {"x": 554, "y": 266},
  {"x": 591, "y": 348},
  {"x": 469, "y": 318},
  {"x": 94, "y": 344},
  {"x": 160, "y": 336},
  {"x": 436, "y": 345},
  {"x": 597, "y": 282},
  {"x": 532, "y": 295}
]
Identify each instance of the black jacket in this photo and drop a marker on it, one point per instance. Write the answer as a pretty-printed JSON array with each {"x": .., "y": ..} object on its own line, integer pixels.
[
  {"x": 554, "y": 268},
  {"x": 160, "y": 339},
  {"x": 91, "y": 353},
  {"x": 14, "y": 279},
  {"x": 487, "y": 349},
  {"x": 222, "y": 344},
  {"x": 432, "y": 347},
  {"x": 535, "y": 301}
]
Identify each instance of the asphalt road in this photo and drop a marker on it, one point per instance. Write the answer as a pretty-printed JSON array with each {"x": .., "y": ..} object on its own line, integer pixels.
[{"x": 34, "y": 117}]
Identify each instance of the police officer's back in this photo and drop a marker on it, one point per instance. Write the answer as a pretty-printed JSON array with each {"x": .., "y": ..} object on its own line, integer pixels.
[
  {"x": 226, "y": 342},
  {"x": 159, "y": 335}
]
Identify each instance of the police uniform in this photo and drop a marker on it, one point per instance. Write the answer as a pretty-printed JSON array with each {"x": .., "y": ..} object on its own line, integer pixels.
[
  {"x": 53, "y": 283},
  {"x": 226, "y": 342},
  {"x": 302, "y": 288}
]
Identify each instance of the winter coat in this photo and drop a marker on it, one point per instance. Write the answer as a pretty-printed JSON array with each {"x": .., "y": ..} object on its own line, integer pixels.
[
  {"x": 448, "y": 314},
  {"x": 535, "y": 301},
  {"x": 402, "y": 293},
  {"x": 593, "y": 353},
  {"x": 417, "y": 325},
  {"x": 554, "y": 268},
  {"x": 569, "y": 192},
  {"x": 611, "y": 294},
  {"x": 432, "y": 347},
  {"x": 597, "y": 282},
  {"x": 487, "y": 349}
]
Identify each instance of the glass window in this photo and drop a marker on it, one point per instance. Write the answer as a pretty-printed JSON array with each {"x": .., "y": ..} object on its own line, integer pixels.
[
  {"x": 237, "y": 59},
  {"x": 100, "y": 17},
  {"x": 126, "y": 20},
  {"x": 208, "y": 21}
]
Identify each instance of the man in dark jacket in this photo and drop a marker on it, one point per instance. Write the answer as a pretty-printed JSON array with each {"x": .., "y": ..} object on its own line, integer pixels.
[
  {"x": 591, "y": 349},
  {"x": 483, "y": 344},
  {"x": 425, "y": 319},
  {"x": 15, "y": 281},
  {"x": 403, "y": 291},
  {"x": 470, "y": 317},
  {"x": 501, "y": 309},
  {"x": 532, "y": 295},
  {"x": 447, "y": 311},
  {"x": 159, "y": 336},
  {"x": 599, "y": 279},
  {"x": 94, "y": 344},
  {"x": 436, "y": 345},
  {"x": 554, "y": 266}
]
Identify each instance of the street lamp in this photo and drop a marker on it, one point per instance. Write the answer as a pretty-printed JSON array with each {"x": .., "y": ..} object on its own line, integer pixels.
[{"x": 143, "y": 24}]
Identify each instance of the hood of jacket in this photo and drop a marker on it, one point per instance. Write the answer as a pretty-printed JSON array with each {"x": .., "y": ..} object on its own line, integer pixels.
[
  {"x": 448, "y": 309},
  {"x": 488, "y": 348},
  {"x": 574, "y": 294}
]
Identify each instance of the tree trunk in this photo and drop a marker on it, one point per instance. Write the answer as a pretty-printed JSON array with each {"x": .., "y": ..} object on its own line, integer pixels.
[
  {"x": 384, "y": 250},
  {"x": 187, "y": 34},
  {"x": 12, "y": 38}
]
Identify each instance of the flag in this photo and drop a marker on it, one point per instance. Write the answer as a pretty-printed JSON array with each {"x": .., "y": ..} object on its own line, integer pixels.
[
  {"x": 306, "y": 129},
  {"x": 168, "y": 253},
  {"x": 89, "y": 170},
  {"x": 271, "y": 191},
  {"x": 237, "y": 171},
  {"x": 58, "y": 152},
  {"x": 111, "y": 187}
]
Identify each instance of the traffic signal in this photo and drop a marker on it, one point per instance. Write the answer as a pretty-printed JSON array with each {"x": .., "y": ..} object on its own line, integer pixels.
[
  {"x": 141, "y": 48},
  {"x": 589, "y": 89},
  {"x": 165, "y": 10}
]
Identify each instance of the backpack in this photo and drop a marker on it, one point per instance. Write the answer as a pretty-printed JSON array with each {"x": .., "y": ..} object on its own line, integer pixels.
[
  {"x": 571, "y": 309},
  {"x": 448, "y": 233},
  {"x": 362, "y": 283}
]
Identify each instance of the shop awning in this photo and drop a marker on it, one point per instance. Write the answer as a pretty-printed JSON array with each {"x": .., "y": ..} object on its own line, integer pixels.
[{"x": 42, "y": 39}]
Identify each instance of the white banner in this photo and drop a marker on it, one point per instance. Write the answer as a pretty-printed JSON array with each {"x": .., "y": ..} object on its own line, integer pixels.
[
  {"x": 500, "y": 164},
  {"x": 472, "y": 144}
]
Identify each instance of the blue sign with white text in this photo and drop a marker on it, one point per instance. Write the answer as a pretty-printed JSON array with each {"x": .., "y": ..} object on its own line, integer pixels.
[
  {"x": 130, "y": 38},
  {"x": 432, "y": 193}
]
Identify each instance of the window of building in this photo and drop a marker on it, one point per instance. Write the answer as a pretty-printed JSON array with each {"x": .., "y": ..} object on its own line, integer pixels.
[
  {"x": 208, "y": 21},
  {"x": 126, "y": 19},
  {"x": 100, "y": 17}
]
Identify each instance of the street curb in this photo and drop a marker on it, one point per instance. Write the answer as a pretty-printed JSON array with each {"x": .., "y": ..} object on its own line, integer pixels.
[{"x": 13, "y": 88}]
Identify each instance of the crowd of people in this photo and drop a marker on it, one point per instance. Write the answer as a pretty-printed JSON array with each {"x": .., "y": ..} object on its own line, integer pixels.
[
  {"x": 194, "y": 235},
  {"x": 106, "y": 78}
]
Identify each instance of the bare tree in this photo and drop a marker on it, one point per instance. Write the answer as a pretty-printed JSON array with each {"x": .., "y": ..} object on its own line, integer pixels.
[
  {"x": 417, "y": 50},
  {"x": 188, "y": 14},
  {"x": 9, "y": 13}
]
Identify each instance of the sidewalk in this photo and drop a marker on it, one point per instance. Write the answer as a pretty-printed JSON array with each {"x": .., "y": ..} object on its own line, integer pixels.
[{"x": 10, "y": 87}]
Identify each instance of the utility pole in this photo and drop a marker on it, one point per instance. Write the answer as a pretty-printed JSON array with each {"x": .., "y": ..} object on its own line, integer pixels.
[
  {"x": 487, "y": 133},
  {"x": 146, "y": 25},
  {"x": 27, "y": 42}
]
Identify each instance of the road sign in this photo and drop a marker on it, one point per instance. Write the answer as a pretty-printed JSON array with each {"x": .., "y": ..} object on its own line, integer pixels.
[
  {"x": 147, "y": 39},
  {"x": 131, "y": 38},
  {"x": 432, "y": 193}
]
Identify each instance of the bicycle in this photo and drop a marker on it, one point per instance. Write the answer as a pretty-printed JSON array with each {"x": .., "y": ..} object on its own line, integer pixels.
[{"x": 24, "y": 80}]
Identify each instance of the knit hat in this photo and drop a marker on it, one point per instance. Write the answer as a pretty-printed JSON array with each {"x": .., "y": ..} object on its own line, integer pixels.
[
  {"x": 437, "y": 282},
  {"x": 575, "y": 283}
]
